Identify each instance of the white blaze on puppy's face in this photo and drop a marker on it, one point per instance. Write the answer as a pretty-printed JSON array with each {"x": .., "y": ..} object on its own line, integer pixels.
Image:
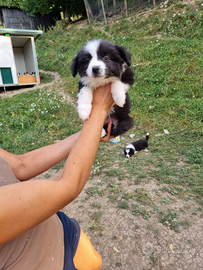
[
  {"x": 129, "y": 150},
  {"x": 96, "y": 67}
]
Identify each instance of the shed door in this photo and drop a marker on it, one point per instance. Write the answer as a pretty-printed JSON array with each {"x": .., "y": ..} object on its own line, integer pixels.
[{"x": 6, "y": 76}]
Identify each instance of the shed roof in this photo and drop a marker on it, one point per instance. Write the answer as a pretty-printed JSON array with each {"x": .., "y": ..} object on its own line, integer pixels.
[{"x": 20, "y": 32}]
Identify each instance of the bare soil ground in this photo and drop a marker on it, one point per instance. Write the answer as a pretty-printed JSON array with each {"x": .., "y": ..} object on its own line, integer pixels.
[{"x": 132, "y": 242}]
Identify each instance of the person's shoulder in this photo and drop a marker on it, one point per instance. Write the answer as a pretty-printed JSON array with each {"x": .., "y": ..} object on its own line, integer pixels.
[
  {"x": 6, "y": 155},
  {"x": 2, "y": 153}
]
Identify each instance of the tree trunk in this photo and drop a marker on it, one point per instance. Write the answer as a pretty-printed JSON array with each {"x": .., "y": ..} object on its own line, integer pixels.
[
  {"x": 126, "y": 8},
  {"x": 114, "y": 3}
]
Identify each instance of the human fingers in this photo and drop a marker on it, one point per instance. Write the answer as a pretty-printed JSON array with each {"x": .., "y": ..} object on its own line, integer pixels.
[
  {"x": 108, "y": 136},
  {"x": 102, "y": 97}
]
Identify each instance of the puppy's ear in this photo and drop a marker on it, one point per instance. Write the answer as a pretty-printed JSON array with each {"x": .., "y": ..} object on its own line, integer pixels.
[
  {"x": 125, "y": 55},
  {"x": 74, "y": 66}
]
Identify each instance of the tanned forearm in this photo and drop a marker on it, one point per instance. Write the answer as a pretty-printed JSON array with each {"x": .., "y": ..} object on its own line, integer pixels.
[{"x": 86, "y": 147}]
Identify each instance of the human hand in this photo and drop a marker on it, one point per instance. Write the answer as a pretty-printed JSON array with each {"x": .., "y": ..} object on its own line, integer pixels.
[
  {"x": 102, "y": 98},
  {"x": 108, "y": 136}
]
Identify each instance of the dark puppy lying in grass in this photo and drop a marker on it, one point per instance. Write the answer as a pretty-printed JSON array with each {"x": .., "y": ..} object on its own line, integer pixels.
[{"x": 136, "y": 146}]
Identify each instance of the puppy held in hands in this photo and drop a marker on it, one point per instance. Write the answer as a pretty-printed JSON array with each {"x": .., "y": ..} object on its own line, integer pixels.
[{"x": 99, "y": 63}]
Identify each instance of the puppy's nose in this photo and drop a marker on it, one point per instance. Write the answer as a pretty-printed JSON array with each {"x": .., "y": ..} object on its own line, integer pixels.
[{"x": 95, "y": 69}]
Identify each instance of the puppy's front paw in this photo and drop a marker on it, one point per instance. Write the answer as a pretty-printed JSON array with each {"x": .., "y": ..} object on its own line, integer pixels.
[
  {"x": 84, "y": 111},
  {"x": 119, "y": 99},
  {"x": 118, "y": 93}
]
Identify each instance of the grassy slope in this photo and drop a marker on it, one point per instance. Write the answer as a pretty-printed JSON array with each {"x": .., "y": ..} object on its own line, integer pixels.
[
  {"x": 166, "y": 47},
  {"x": 167, "y": 59}
]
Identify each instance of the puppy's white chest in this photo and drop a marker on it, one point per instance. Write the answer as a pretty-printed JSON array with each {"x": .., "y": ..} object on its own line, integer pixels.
[
  {"x": 85, "y": 96},
  {"x": 94, "y": 83}
]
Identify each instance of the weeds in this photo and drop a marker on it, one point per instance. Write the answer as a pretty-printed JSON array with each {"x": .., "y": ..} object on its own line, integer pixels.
[
  {"x": 170, "y": 218},
  {"x": 123, "y": 204},
  {"x": 142, "y": 196},
  {"x": 96, "y": 205},
  {"x": 115, "y": 190},
  {"x": 139, "y": 210},
  {"x": 153, "y": 260}
]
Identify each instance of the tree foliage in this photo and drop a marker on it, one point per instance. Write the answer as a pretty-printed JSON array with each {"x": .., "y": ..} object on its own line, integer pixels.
[{"x": 32, "y": 7}]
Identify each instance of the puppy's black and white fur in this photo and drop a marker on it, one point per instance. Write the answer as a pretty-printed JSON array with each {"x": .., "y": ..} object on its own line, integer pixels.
[
  {"x": 136, "y": 146},
  {"x": 98, "y": 63}
]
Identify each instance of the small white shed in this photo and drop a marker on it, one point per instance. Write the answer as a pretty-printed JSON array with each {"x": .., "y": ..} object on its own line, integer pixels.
[{"x": 18, "y": 60}]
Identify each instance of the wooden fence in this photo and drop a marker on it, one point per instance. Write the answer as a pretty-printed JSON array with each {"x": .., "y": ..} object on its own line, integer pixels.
[{"x": 100, "y": 10}]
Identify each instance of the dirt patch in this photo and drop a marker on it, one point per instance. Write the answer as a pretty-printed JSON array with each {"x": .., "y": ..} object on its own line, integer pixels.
[{"x": 131, "y": 242}]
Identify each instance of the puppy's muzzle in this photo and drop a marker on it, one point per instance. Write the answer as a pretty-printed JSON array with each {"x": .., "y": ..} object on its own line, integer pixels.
[{"x": 96, "y": 71}]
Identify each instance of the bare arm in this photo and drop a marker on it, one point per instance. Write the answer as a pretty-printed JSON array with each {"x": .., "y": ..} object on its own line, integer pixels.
[
  {"x": 25, "y": 205},
  {"x": 37, "y": 161}
]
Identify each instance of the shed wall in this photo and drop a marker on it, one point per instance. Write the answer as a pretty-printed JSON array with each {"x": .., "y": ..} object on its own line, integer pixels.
[
  {"x": 19, "y": 60},
  {"x": 29, "y": 57},
  {"x": 8, "y": 61}
]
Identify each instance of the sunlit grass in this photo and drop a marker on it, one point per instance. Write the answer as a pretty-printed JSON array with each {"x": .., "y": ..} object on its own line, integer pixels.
[{"x": 35, "y": 119}]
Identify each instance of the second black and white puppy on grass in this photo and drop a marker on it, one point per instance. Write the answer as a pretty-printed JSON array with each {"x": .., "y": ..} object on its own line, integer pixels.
[
  {"x": 136, "y": 146},
  {"x": 99, "y": 63}
]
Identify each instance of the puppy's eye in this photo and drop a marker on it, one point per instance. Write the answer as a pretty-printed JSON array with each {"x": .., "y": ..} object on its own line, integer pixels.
[
  {"x": 87, "y": 60},
  {"x": 105, "y": 58}
]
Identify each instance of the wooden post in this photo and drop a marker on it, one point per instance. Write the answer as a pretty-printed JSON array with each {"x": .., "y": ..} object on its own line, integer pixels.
[
  {"x": 87, "y": 11},
  {"x": 126, "y": 8},
  {"x": 4, "y": 89},
  {"x": 102, "y": 2},
  {"x": 154, "y": 3},
  {"x": 66, "y": 13}
]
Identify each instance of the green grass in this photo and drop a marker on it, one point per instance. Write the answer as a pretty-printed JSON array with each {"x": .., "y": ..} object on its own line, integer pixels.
[
  {"x": 166, "y": 48},
  {"x": 34, "y": 119},
  {"x": 46, "y": 78}
]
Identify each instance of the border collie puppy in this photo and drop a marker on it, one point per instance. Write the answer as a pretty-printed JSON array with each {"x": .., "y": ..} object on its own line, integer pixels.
[
  {"x": 136, "y": 146},
  {"x": 98, "y": 63}
]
